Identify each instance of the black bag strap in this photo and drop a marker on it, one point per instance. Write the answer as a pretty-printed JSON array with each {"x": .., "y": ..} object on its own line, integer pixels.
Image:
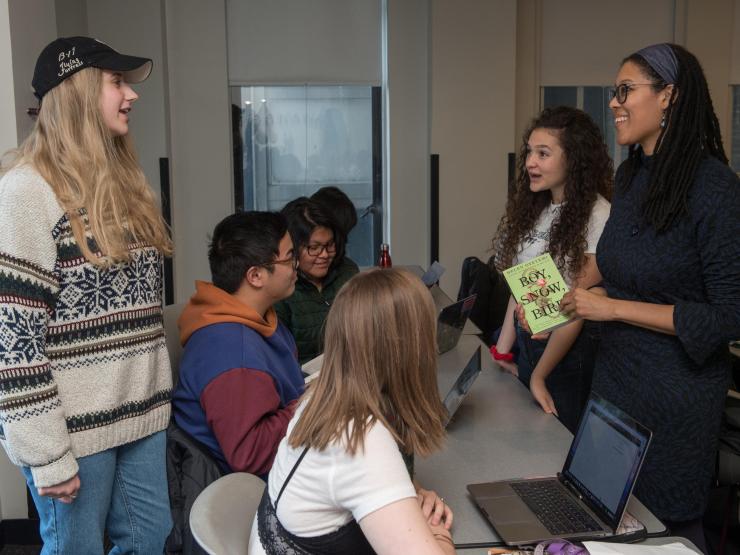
[{"x": 290, "y": 475}]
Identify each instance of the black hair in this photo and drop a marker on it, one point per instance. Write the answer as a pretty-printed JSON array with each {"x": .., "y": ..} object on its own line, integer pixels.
[
  {"x": 337, "y": 203},
  {"x": 304, "y": 215},
  {"x": 691, "y": 133},
  {"x": 243, "y": 240}
]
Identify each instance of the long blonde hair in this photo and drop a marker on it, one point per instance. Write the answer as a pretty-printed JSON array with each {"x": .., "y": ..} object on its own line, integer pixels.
[
  {"x": 96, "y": 177},
  {"x": 380, "y": 366}
]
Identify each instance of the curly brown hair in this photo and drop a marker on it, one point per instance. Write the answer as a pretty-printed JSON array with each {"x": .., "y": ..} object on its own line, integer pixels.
[{"x": 589, "y": 172}]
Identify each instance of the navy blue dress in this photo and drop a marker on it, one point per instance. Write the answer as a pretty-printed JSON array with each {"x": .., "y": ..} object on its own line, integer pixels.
[{"x": 674, "y": 385}]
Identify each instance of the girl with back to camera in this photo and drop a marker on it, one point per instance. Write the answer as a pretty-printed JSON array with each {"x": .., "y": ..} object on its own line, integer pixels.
[
  {"x": 670, "y": 258},
  {"x": 339, "y": 483},
  {"x": 84, "y": 374},
  {"x": 560, "y": 206}
]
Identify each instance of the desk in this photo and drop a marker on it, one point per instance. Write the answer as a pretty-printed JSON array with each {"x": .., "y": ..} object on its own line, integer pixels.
[
  {"x": 497, "y": 433},
  {"x": 650, "y": 541}
]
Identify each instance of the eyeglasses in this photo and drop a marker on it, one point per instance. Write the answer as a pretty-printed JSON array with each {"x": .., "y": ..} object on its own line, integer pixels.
[
  {"x": 620, "y": 92},
  {"x": 292, "y": 260},
  {"x": 318, "y": 248}
]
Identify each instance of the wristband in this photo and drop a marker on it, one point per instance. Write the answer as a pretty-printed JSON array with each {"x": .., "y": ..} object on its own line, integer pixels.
[{"x": 508, "y": 357}]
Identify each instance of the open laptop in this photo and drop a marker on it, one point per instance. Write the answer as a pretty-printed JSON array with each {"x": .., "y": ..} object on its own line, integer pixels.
[
  {"x": 462, "y": 385},
  {"x": 451, "y": 322},
  {"x": 587, "y": 499}
]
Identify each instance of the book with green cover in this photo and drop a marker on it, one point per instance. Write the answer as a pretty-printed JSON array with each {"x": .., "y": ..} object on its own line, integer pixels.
[{"x": 538, "y": 286}]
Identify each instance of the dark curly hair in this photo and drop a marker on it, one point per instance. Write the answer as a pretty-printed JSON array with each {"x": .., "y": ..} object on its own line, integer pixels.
[
  {"x": 691, "y": 133},
  {"x": 589, "y": 172}
]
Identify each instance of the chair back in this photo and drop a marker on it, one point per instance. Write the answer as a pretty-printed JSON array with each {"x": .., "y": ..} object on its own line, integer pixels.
[
  {"x": 493, "y": 295},
  {"x": 222, "y": 515},
  {"x": 170, "y": 314}
]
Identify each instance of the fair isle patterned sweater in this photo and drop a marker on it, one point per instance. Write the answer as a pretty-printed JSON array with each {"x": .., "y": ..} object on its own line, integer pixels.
[{"x": 83, "y": 359}]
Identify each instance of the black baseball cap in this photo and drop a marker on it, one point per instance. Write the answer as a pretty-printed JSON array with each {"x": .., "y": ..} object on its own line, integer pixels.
[{"x": 68, "y": 55}]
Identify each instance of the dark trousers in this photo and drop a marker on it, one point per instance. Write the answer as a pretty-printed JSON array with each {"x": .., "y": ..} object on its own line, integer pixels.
[
  {"x": 692, "y": 530},
  {"x": 569, "y": 383}
]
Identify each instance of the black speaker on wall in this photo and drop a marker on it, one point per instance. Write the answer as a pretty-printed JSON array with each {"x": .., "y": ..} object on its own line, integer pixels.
[
  {"x": 511, "y": 160},
  {"x": 434, "y": 207},
  {"x": 164, "y": 186}
]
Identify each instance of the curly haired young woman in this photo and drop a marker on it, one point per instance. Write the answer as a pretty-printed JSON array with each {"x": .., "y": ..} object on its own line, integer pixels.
[{"x": 560, "y": 206}]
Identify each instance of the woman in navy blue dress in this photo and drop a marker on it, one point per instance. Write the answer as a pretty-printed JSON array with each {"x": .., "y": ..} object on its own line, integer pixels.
[{"x": 670, "y": 260}]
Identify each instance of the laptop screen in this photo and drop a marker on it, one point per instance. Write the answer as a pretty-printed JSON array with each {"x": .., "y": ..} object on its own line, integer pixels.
[
  {"x": 605, "y": 457},
  {"x": 451, "y": 321},
  {"x": 462, "y": 385}
]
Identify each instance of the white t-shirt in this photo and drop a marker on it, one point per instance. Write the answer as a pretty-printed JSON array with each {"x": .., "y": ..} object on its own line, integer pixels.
[
  {"x": 536, "y": 244},
  {"x": 330, "y": 487}
]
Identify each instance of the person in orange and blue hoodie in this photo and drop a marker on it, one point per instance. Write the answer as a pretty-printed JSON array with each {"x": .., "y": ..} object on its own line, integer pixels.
[{"x": 239, "y": 373}]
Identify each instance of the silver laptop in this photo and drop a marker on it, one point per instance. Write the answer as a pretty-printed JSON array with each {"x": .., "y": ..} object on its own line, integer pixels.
[
  {"x": 451, "y": 321},
  {"x": 462, "y": 385},
  {"x": 587, "y": 499}
]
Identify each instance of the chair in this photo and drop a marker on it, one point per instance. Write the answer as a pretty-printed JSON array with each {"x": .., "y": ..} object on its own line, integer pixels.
[
  {"x": 493, "y": 295},
  {"x": 221, "y": 517},
  {"x": 170, "y": 315},
  {"x": 191, "y": 468}
]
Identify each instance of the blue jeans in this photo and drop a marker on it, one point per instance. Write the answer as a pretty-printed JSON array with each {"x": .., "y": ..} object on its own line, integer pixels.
[
  {"x": 124, "y": 491},
  {"x": 569, "y": 383}
]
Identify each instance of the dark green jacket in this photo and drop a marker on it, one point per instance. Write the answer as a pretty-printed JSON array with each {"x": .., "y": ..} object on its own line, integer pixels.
[{"x": 304, "y": 312}]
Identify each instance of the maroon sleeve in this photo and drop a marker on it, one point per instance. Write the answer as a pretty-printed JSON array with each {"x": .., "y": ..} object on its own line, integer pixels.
[{"x": 242, "y": 408}]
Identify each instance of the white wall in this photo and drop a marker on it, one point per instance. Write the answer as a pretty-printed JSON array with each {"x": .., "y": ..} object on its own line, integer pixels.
[
  {"x": 583, "y": 42},
  {"x": 137, "y": 30},
  {"x": 708, "y": 28},
  {"x": 200, "y": 129},
  {"x": 33, "y": 26},
  {"x": 735, "y": 48},
  {"x": 408, "y": 105},
  {"x": 473, "y": 93},
  {"x": 289, "y": 41},
  {"x": 71, "y": 18}
]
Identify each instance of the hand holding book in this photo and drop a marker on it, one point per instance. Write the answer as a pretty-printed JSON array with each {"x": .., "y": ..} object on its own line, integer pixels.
[
  {"x": 538, "y": 287},
  {"x": 591, "y": 304},
  {"x": 521, "y": 317}
]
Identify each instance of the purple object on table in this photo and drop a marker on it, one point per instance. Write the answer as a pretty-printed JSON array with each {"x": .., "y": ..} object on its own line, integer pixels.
[{"x": 559, "y": 547}]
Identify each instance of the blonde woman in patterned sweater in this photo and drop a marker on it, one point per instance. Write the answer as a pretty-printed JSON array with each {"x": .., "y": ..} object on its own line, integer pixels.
[{"x": 84, "y": 375}]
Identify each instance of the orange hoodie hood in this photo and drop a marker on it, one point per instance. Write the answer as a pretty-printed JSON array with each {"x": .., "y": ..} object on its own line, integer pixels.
[{"x": 212, "y": 305}]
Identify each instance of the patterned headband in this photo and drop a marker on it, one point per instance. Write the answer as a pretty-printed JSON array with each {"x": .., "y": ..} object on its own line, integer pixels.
[{"x": 663, "y": 60}]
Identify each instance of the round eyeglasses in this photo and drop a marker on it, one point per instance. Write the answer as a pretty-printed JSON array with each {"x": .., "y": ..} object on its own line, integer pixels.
[
  {"x": 317, "y": 248},
  {"x": 620, "y": 92}
]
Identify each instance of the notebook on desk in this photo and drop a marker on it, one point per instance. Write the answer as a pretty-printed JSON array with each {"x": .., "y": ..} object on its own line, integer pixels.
[
  {"x": 588, "y": 498},
  {"x": 451, "y": 322}
]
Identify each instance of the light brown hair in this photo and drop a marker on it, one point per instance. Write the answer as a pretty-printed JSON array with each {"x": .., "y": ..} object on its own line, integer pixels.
[
  {"x": 380, "y": 367},
  {"x": 94, "y": 175}
]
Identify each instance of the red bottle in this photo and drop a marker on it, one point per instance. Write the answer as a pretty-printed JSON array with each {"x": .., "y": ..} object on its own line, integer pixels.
[{"x": 385, "y": 256}]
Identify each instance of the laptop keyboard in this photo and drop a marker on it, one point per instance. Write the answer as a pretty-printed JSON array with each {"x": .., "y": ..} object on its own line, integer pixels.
[{"x": 554, "y": 508}]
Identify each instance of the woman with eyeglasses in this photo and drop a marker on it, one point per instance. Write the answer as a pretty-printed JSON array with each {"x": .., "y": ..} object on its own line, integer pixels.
[
  {"x": 322, "y": 270},
  {"x": 670, "y": 260}
]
